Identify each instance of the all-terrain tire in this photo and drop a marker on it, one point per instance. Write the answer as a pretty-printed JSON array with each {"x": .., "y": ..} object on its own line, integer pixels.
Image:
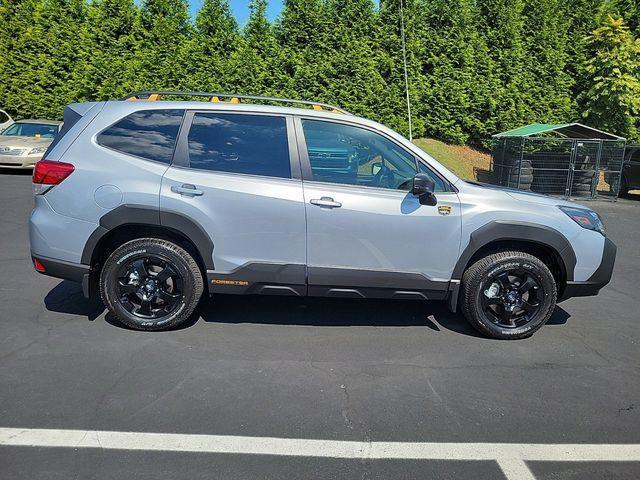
[
  {"x": 182, "y": 263},
  {"x": 495, "y": 264}
]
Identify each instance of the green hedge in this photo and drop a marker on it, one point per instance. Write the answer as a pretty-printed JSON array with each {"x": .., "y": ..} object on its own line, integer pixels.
[{"x": 476, "y": 67}]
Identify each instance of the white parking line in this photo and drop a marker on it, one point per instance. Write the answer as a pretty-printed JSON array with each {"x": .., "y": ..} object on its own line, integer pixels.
[{"x": 510, "y": 456}]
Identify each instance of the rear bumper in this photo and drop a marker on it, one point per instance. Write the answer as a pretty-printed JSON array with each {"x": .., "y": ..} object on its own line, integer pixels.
[
  {"x": 61, "y": 269},
  {"x": 599, "y": 279}
]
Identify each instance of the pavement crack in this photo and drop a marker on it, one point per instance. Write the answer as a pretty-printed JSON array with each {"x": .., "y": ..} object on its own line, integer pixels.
[{"x": 629, "y": 408}]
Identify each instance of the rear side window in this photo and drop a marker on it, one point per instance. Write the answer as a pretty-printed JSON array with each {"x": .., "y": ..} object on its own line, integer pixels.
[
  {"x": 3, "y": 117},
  {"x": 250, "y": 144},
  {"x": 149, "y": 134}
]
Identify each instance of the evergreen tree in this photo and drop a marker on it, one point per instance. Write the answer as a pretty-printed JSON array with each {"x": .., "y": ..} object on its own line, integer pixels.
[
  {"x": 209, "y": 50},
  {"x": 301, "y": 32},
  {"x": 501, "y": 23},
  {"x": 48, "y": 61},
  {"x": 584, "y": 16},
  {"x": 550, "y": 84},
  {"x": 612, "y": 103},
  {"x": 448, "y": 43},
  {"x": 254, "y": 69},
  {"x": 394, "y": 107},
  {"x": 352, "y": 76},
  {"x": 16, "y": 17},
  {"x": 162, "y": 31},
  {"x": 630, "y": 11},
  {"x": 113, "y": 47}
]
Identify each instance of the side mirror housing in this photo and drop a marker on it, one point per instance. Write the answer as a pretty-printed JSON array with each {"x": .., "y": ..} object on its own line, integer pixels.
[{"x": 423, "y": 188}]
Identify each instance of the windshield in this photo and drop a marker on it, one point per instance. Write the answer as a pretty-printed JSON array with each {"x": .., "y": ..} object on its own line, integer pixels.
[{"x": 37, "y": 130}]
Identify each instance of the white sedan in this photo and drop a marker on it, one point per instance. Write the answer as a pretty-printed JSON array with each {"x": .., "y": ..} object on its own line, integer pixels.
[{"x": 26, "y": 141}]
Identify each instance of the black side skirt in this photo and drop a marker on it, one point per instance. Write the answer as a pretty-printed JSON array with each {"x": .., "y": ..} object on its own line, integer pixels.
[{"x": 298, "y": 280}]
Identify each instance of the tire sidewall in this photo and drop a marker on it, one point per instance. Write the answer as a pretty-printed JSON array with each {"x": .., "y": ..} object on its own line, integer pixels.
[
  {"x": 541, "y": 317},
  {"x": 130, "y": 252}
]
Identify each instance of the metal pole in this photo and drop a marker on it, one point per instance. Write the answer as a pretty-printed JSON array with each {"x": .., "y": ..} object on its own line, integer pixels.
[{"x": 404, "y": 60}]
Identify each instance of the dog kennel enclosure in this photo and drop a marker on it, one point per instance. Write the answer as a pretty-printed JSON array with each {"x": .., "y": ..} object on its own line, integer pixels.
[{"x": 569, "y": 160}]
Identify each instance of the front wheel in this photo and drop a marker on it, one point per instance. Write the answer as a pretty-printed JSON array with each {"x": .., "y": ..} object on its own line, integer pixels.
[
  {"x": 151, "y": 284},
  {"x": 508, "y": 295}
]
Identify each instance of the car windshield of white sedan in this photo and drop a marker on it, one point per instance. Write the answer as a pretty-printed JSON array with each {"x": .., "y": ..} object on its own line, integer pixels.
[{"x": 39, "y": 130}]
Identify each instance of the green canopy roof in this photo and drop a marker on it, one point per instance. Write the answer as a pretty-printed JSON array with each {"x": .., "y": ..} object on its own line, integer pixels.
[{"x": 568, "y": 130}]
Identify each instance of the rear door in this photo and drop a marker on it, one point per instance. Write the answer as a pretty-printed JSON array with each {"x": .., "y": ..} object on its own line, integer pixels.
[
  {"x": 237, "y": 175},
  {"x": 367, "y": 235}
]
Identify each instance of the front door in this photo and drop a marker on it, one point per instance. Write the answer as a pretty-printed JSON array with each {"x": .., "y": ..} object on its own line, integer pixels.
[
  {"x": 237, "y": 176},
  {"x": 367, "y": 235}
]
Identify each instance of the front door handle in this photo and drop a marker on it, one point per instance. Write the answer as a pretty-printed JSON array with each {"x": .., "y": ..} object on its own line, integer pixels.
[
  {"x": 325, "y": 202},
  {"x": 187, "y": 190}
]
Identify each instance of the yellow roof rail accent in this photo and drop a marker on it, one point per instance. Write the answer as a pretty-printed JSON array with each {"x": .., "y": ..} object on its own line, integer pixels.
[
  {"x": 233, "y": 98},
  {"x": 153, "y": 97}
]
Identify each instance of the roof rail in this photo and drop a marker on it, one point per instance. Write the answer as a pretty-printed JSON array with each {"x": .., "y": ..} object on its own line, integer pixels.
[{"x": 155, "y": 95}]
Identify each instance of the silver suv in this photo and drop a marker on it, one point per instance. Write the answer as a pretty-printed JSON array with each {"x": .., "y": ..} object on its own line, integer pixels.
[{"x": 154, "y": 204}]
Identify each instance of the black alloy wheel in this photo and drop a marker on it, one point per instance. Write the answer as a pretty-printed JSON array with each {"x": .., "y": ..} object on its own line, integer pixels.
[
  {"x": 149, "y": 287},
  {"x": 151, "y": 284},
  {"x": 511, "y": 299},
  {"x": 508, "y": 294}
]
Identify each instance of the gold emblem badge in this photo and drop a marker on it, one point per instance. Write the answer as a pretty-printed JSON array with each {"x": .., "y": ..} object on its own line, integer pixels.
[{"x": 444, "y": 209}]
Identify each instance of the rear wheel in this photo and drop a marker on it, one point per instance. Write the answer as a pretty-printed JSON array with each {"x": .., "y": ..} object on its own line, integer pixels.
[
  {"x": 508, "y": 295},
  {"x": 151, "y": 284}
]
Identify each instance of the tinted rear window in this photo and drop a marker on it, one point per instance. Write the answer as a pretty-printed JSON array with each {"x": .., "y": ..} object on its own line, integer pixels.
[
  {"x": 251, "y": 144},
  {"x": 148, "y": 134}
]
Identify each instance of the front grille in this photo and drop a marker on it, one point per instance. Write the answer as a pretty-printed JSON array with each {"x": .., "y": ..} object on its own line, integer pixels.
[{"x": 12, "y": 151}]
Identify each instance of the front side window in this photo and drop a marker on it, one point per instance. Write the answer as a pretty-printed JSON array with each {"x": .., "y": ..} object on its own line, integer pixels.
[
  {"x": 35, "y": 130},
  {"x": 149, "y": 134},
  {"x": 352, "y": 155},
  {"x": 239, "y": 143}
]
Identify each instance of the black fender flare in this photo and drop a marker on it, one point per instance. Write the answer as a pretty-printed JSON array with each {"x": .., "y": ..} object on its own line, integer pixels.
[
  {"x": 504, "y": 230},
  {"x": 142, "y": 215}
]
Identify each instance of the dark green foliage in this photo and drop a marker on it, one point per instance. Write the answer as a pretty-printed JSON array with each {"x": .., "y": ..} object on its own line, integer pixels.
[
  {"x": 475, "y": 67},
  {"x": 111, "y": 29},
  {"x": 613, "y": 101},
  {"x": 162, "y": 32},
  {"x": 208, "y": 51},
  {"x": 44, "y": 68}
]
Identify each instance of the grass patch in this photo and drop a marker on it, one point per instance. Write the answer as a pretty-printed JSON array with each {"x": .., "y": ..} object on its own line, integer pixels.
[{"x": 462, "y": 160}]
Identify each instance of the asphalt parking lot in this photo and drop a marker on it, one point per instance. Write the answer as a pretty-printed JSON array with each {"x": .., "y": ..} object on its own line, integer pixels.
[{"x": 354, "y": 373}]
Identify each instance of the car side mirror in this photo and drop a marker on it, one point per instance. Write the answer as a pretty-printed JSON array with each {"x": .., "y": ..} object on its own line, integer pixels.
[
  {"x": 375, "y": 168},
  {"x": 423, "y": 188}
]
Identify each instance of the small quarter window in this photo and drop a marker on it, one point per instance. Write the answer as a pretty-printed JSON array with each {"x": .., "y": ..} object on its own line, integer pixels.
[
  {"x": 149, "y": 134},
  {"x": 239, "y": 143}
]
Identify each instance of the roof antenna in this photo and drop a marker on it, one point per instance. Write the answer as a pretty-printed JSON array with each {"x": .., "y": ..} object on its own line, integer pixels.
[{"x": 404, "y": 60}]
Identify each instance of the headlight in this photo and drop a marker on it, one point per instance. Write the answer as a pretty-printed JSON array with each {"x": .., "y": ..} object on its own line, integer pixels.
[
  {"x": 585, "y": 218},
  {"x": 37, "y": 150}
]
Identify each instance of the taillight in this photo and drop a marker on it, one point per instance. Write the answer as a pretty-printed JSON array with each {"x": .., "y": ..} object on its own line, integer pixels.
[{"x": 46, "y": 174}]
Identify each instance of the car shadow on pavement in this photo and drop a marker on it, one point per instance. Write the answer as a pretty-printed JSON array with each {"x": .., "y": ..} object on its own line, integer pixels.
[
  {"x": 67, "y": 297},
  {"x": 342, "y": 312}
]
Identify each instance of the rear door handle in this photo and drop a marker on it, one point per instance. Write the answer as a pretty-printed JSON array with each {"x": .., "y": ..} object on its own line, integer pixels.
[
  {"x": 325, "y": 202},
  {"x": 187, "y": 190}
]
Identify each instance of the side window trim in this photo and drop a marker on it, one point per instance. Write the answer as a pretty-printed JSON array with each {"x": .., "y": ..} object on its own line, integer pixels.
[
  {"x": 305, "y": 163},
  {"x": 181, "y": 153}
]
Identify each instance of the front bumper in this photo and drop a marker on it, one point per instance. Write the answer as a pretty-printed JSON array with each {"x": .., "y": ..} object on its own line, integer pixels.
[
  {"x": 599, "y": 279},
  {"x": 19, "y": 161}
]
